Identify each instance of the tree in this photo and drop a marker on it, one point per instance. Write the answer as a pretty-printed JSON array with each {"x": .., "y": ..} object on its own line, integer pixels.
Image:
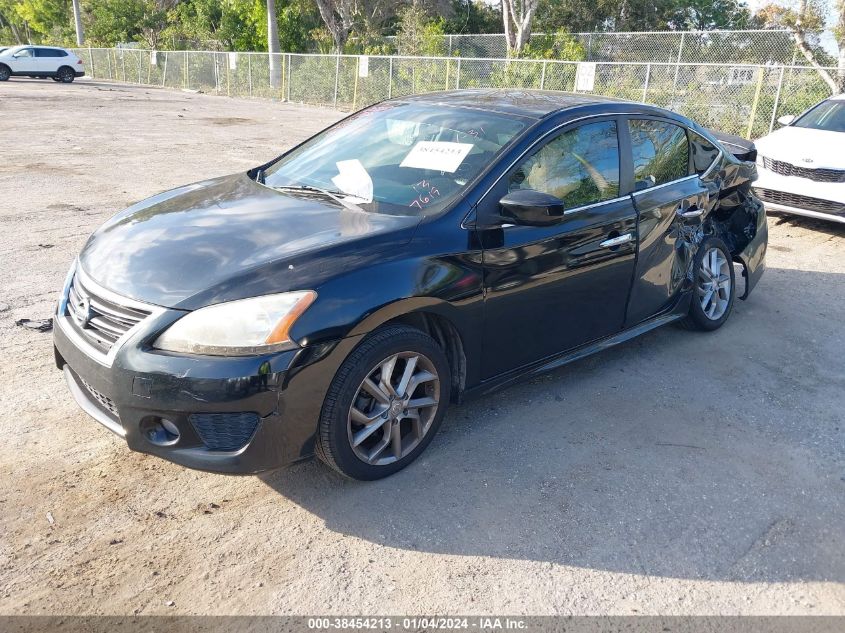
[
  {"x": 339, "y": 17},
  {"x": 805, "y": 23},
  {"x": 517, "y": 16},
  {"x": 473, "y": 16},
  {"x": 705, "y": 15},
  {"x": 47, "y": 20}
]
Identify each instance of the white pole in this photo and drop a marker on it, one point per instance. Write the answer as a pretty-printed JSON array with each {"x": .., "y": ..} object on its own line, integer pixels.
[
  {"x": 777, "y": 101},
  {"x": 645, "y": 85}
]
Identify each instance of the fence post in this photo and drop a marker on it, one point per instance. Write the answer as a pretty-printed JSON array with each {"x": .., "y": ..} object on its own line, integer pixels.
[
  {"x": 140, "y": 63},
  {"x": 355, "y": 89},
  {"x": 228, "y": 63},
  {"x": 108, "y": 59},
  {"x": 777, "y": 101},
  {"x": 447, "y": 73},
  {"x": 249, "y": 71},
  {"x": 123, "y": 65},
  {"x": 289, "y": 76},
  {"x": 390, "y": 79},
  {"x": 163, "y": 74},
  {"x": 187, "y": 72},
  {"x": 645, "y": 85},
  {"x": 589, "y": 47},
  {"x": 450, "y": 45},
  {"x": 458, "y": 77},
  {"x": 91, "y": 59},
  {"x": 284, "y": 76},
  {"x": 336, "y": 77},
  {"x": 543, "y": 77},
  {"x": 761, "y": 70}
]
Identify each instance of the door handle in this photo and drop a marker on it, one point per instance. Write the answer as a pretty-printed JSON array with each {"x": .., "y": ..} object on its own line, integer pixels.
[
  {"x": 617, "y": 241},
  {"x": 689, "y": 213}
]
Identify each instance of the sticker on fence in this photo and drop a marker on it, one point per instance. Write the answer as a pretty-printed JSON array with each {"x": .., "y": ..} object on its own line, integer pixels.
[
  {"x": 439, "y": 155},
  {"x": 153, "y": 58},
  {"x": 233, "y": 61},
  {"x": 363, "y": 66},
  {"x": 354, "y": 180},
  {"x": 585, "y": 77}
]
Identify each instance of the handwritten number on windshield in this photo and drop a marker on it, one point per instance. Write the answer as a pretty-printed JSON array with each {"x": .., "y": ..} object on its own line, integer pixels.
[{"x": 425, "y": 193}]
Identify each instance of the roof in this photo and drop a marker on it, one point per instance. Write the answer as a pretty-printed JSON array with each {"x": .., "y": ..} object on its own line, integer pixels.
[{"x": 530, "y": 103}]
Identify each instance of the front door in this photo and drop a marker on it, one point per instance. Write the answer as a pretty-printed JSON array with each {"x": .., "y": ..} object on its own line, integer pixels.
[
  {"x": 550, "y": 289},
  {"x": 25, "y": 61},
  {"x": 664, "y": 189}
]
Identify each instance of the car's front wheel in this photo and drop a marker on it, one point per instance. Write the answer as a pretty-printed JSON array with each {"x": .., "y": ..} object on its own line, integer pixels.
[
  {"x": 385, "y": 404},
  {"x": 715, "y": 287},
  {"x": 65, "y": 75},
  {"x": 5, "y": 72}
]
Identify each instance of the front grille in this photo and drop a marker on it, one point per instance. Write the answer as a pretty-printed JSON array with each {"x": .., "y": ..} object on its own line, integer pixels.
[
  {"x": 800, "y": 202},
  {"x": 224, "y": 431},
  {"x": 788, "y": 169},
  {"x": 100, "y": 321},
  {"x": 103, "y": 400}
]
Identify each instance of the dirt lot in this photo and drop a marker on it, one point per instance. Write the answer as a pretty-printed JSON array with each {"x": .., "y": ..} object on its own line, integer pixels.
[{"x": 678, "y": 473}]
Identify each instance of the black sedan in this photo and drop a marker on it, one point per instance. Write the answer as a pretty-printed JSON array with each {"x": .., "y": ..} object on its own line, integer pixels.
[{"x": 424, "y": 250}]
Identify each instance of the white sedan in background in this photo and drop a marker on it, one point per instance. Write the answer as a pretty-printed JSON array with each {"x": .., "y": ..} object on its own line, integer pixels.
[{"x": 801, "y": 166}]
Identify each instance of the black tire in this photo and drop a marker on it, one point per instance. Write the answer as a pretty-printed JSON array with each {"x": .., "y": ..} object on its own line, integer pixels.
[
  {"x": 333, "y": 444},
  {"x": 698, "y": 318},
  {"x": 5, "y": 72},
  {"x": 65, "y": 75}
]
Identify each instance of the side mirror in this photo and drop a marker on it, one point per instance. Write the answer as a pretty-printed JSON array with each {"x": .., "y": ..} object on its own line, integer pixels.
[
  {"x": 531, "y": 208},
  {"x": 786, "y": 119}
]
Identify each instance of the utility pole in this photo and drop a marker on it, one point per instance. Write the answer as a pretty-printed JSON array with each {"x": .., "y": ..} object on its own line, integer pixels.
[{"x": 77, "y": 18}]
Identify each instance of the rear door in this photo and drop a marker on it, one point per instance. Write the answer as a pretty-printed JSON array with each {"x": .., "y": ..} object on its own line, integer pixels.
[
  {"x": 48, "y": 60},
  {"x": 550, "y": 289},
  {"x": 664, "y": 188}
]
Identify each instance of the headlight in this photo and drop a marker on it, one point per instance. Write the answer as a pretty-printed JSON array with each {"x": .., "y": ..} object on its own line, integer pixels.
[{"x": 238, "y": 328}]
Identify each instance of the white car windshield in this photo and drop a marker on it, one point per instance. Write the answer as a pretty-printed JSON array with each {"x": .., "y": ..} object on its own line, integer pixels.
[
  {"x": 397, "y": 158},
  {"x": 828, "y": 115}
]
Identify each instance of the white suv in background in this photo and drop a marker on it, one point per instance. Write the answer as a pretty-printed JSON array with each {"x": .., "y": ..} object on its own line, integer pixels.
[
  {"x": 801, "y": 167},
  {"x": 40, "y": 61}
]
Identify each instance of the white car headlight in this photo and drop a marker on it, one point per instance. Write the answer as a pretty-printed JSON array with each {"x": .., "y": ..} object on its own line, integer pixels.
[{"x": 238, "y": 328}]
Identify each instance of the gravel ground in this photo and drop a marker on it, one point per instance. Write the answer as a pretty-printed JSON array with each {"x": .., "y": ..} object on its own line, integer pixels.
[{"x": 679, "y": 473}]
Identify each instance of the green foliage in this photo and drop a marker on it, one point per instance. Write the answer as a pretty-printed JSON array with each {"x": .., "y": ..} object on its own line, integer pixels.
[
  {"x": 473, "y": 16},
  {"x": 111, "y": 22},
  {"x": 46, "y": 20},
  {"x": 419, "y": 35},
  {"x": 560, "y": 45}
]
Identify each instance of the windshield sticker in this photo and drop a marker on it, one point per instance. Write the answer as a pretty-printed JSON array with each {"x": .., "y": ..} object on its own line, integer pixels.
[
  {"x": 354, "y": 180},
  {"x": 437, "y": 155},
  {"x": 427, "y": 193}
]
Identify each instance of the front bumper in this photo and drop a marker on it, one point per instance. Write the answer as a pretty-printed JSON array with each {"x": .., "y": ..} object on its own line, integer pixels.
[
  {"x": 800, "y": 196},
  {"x": 278, "y": 397}
]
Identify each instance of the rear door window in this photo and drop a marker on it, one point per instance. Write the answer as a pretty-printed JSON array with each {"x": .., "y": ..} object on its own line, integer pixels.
[{"x": 660, "y": 152}]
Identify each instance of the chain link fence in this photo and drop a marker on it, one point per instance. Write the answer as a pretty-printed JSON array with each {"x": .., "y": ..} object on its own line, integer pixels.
[
  {"x": 743, "y": 99},
  {"x": 747, "y": 46}
]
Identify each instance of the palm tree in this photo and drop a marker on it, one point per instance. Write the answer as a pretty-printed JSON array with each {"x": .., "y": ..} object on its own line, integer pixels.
[
  {"x": 77, "y": 18},
  {"x": 273, "y": 44}
]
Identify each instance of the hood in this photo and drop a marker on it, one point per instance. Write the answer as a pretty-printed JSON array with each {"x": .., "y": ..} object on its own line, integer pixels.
[
  {"x": 230, "y": 238},
  {"x": 797, "y": 144}
]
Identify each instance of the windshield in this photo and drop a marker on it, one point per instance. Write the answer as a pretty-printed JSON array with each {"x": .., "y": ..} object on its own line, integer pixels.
[
  {"x": 828, "y": 115},
  {"x": 398, "y": 158}
]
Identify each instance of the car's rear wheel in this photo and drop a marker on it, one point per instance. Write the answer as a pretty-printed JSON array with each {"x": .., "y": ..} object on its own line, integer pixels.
[
  {"x": 65, "y": 75},
  {"x": 715, "y": 287},
  {"x": 5, "y": 72},
  {"x": 385, "y": 404}
]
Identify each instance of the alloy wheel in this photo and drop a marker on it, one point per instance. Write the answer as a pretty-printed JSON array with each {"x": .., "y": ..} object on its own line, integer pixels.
[
  {"x": 394, "y": 408},
  {"x": 714, "y": 284}
]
